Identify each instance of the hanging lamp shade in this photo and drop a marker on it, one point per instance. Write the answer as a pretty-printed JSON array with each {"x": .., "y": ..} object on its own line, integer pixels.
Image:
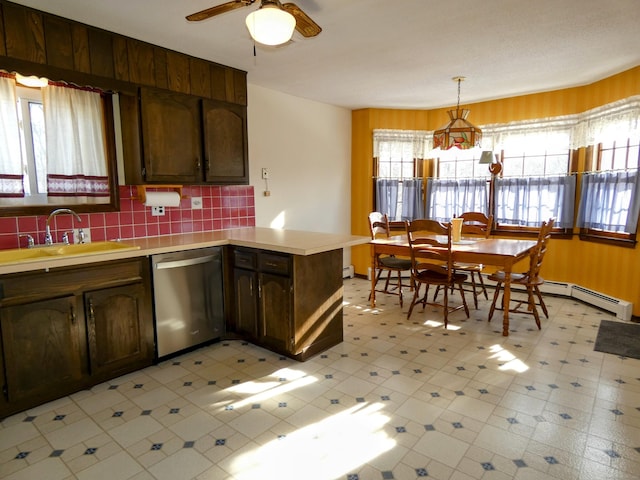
[
  {"x": 270, "y": 24},
  {"x": 459, "y": 132}
]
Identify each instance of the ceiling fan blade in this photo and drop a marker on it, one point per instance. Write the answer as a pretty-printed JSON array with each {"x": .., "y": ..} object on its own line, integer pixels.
[
  {"x": 218, "y": 9},
  {"x": 304, "y": 24}
]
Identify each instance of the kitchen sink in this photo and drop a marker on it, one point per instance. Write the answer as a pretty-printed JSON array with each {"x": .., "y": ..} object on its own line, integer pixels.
[{"x": 18, "y": 255}]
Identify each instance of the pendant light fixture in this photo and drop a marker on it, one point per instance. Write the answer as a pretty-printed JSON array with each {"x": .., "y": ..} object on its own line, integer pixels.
[
  {"x": 271, "y": 24},
  {"x": 458, "y": 132}
]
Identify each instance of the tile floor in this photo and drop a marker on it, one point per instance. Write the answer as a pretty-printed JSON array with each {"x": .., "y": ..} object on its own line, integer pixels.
[{"x": 397, "y": 399}]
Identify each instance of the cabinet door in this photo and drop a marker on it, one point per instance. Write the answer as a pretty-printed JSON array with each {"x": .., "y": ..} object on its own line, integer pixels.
[
  {"x": 115, "y": 319},
  {"x": 43, "y": 352},
  {"x": 171, "y": 136},
  {"x": 246, "y": 301},
  {"x": 225, "y": 142},
  {"x": 275, "y": 309}
]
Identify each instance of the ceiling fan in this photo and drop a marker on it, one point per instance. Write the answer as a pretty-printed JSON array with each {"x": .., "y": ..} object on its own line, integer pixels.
[{"x": 303, "y": 23}]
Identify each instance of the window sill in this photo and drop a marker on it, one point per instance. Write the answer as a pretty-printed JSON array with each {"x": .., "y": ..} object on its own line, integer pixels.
[{"x": 616, "y": 241}]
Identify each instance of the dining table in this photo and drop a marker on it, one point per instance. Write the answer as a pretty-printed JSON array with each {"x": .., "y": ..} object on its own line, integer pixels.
[{"x": 503, "y": 253}]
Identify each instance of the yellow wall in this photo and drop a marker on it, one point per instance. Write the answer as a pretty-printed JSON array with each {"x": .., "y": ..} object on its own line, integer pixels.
[{"x": 611, "y": 270}]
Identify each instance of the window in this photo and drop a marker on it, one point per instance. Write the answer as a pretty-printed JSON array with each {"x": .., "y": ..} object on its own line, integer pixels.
[
  {"x": 462, "y": 185},
  {"x": 53, "y": 144},
  {"x": 610, "y": 199},
  {"x": 33, "y": 139},
  {"x": 535, "y": 185},
  {"x": 398, "y": 157}
]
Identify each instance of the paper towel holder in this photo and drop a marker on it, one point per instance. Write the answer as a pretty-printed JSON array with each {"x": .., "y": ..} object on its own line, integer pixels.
[{"x": 142, "y": 191}]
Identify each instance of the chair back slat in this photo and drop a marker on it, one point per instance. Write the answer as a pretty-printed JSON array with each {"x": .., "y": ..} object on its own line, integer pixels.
[
  {"x": 378, "y": 225},
  {"x": 476, "y": 223},
  {"x": 537, "y": 256},
  {"x": 430, "y": 243}
]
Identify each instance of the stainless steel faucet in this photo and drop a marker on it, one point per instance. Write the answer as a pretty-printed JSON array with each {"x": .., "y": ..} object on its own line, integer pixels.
[{"x": 48, "y": 239}]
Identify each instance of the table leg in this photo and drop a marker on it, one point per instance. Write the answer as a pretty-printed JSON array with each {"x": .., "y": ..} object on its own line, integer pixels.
[
  {"x": 373, "y": 276},
  {"x": 506, "y": 298}
]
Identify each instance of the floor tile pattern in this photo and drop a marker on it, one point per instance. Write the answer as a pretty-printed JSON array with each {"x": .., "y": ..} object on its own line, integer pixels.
[{"x": 397, "y": 399}]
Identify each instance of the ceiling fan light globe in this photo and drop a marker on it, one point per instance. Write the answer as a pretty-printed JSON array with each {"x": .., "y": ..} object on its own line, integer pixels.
[{"x": 270, "y": 25}]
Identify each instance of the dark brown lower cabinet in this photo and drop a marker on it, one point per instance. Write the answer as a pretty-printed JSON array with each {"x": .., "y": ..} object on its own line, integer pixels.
[
  {"x": 71, "y": 328},
  {"x": 290, "y": 304},
  {"x": 114, "y": 330},
  {"x": 43, "y": 348}
]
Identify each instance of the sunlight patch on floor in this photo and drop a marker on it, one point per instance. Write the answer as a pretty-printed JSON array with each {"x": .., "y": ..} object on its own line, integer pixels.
[
  {"x": 324, "y": 450},
  {"x": 511, "y": 362}
]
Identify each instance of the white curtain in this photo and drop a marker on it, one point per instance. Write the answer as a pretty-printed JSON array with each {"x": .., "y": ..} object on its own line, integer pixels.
[
  {"x": 614, "y": 121},
  {"x": 610, "y": 201},
  {"x": 417, "y": 142},
  {"x": 11, "y": 168},
  {"x": 76, "y": 159},
  {"x": 448, "y": 197},
  {"x": 527, "y": 201},
  {"x": 412, "y": 199},
  {"x": 387, "y": 197}
]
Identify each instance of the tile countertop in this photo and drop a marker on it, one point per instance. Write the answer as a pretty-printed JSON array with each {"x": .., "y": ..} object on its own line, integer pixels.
[{"x": 286, "y": 241}]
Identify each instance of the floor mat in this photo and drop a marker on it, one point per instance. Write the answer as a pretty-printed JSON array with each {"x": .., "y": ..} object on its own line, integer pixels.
[{"x": 618, "y": 338}]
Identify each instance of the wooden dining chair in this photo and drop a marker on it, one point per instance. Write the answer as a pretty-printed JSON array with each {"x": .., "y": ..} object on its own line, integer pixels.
[
  {"x": 479, "y": 225},
  {"x": 432, "y": 264},
  {"x": 475, "y": 224},
  {"x": 530, "y": 279},
  {"x": 379, "y": 228}
]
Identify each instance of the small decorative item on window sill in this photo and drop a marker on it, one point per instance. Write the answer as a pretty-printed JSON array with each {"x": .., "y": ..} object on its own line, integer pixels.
[{"x": 158, "y": 197}]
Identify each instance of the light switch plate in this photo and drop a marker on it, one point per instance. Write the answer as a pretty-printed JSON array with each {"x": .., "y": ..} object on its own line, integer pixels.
[{"x": 265, "y": 174}]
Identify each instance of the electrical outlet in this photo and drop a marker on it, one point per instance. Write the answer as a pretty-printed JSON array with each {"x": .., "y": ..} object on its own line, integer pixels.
[
  {"x": 196, "y": 203},
  {"x": 157, "y": 211},
  {"x": 265, "y": 174},
  {"x": 76, "y": 235}
]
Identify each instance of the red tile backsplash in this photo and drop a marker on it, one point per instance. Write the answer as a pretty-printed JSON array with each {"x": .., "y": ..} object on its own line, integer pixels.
[{"x": 223, "y": 207}]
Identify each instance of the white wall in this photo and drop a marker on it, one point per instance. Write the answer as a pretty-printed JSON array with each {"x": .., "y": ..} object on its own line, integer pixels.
[{"x": 306, "y": 146}]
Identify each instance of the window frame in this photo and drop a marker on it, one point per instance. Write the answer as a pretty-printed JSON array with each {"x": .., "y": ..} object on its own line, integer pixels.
[{"x": 594, "y": 163}]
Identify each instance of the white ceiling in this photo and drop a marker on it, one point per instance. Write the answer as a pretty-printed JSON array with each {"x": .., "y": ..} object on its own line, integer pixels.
[{"x": 395, "y": 53}]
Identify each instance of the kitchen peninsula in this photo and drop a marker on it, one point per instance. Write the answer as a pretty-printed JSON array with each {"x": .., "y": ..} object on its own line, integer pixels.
[{"x": 71, "y": 321}]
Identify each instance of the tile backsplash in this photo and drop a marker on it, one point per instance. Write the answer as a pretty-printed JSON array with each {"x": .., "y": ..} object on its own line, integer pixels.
[{"x": 223, "y": 207}]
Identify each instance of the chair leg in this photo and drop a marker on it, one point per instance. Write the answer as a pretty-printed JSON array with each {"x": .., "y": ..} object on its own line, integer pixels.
[
  {"x": 464, "y": 300},
  {"x": 532, "y": 306},
  {"x": 435, "y": 295},
  {"x": 376, "y": 282},
  {"x": 400, "y": 288},
  {"x": 484, "y": 289},
  {"x": 542, "y": 304},
  {"x": 495, "y": 299},
  {"x": 386, "y": 283},
  {"x": 473, "y": 288},
  {"x": 446, "y": 306},
  {"x": 416, "y": 293}
]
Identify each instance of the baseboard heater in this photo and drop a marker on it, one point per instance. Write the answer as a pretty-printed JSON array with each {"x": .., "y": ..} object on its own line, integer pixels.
[
  {"x": 621, "y": 308},
  {"x": 348, "y": 272}
]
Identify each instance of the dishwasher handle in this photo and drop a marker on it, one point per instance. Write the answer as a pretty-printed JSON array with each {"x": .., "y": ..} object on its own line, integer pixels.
[{"x": 185, "y": 263}]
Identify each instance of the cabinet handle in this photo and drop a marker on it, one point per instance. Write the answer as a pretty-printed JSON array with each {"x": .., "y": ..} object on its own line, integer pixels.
[
  {"x": 207, "y": 165},
  {"x": 72, "y": 315},
  {"x": 197, "y": 164},
  {"x": 92, "y": 317}
]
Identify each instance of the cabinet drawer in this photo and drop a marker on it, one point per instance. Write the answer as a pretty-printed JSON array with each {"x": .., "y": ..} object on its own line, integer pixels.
[
  {"x": 274, "y": 263},
  {"x": 244, "y": 259}
]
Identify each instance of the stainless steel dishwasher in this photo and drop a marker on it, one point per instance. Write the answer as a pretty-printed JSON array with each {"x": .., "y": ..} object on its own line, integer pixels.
[{"x": 188, "y": 298}]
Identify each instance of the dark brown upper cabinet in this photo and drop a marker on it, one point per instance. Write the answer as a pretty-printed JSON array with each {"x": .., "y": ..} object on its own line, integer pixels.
[
  {"x": 171, "y": 137},
  {"x": 225, "y": 142}
]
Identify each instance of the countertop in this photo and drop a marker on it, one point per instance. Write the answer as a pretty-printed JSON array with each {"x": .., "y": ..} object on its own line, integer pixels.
[{"x": 294, "y": 242}]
